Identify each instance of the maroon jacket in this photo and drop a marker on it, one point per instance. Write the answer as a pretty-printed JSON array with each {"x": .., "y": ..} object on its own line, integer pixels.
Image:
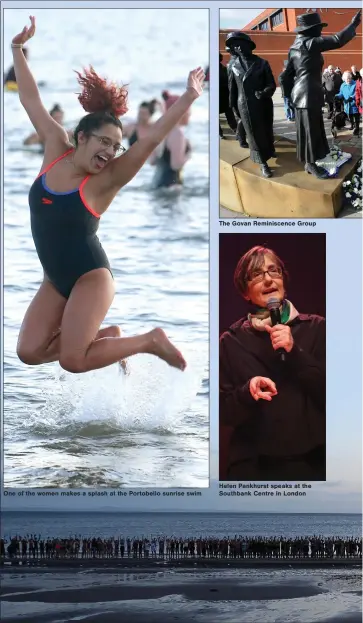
[{"x": 293, "y": 422}]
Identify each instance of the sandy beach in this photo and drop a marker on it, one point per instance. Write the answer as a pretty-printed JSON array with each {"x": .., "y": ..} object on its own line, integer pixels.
[
  {"x": 154, "y": 595},
  {"x": 211, "y": 590},
  {"x": 180, "y": 563}
]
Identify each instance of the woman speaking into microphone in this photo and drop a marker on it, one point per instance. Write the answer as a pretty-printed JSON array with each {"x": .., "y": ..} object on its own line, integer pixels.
[{"x": 272, "y": 379}]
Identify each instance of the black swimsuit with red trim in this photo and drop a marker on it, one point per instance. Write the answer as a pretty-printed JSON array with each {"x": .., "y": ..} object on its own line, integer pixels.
[{"x": 64, "y": 233}]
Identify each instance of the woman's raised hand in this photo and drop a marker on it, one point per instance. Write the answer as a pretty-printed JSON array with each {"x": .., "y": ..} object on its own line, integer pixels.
[
  {"x": 196, "y": 81},
  {"x": 26, "y": 33}
]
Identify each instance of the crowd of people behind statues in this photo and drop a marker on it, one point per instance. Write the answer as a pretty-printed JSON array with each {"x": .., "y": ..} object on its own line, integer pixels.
[
  {"x": 247, "y": 86},
  {"x": 342, "y": 94},
  {"x": 80, "y": 547}
]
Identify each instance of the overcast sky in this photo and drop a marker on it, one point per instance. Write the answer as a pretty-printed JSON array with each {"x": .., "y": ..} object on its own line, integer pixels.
[{"x": 237, "y": 18}]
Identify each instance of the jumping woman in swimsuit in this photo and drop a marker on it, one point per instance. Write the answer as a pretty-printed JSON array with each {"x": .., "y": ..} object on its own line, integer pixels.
[{"x": 74, "y": 188}]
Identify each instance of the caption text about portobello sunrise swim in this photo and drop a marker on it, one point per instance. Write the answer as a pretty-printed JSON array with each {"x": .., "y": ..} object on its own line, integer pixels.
[{"x": 119, "y": 493}]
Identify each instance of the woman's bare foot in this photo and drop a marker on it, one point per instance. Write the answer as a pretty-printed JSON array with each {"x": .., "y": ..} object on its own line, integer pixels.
[{"x": 161, "y": 346}]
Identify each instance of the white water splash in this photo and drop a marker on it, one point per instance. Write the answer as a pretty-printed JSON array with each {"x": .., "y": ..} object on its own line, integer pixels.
[{"x": 152, "y": 395}]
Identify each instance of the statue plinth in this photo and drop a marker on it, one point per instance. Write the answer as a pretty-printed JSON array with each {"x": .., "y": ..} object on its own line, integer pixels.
[{"x": 290, "y": 193}]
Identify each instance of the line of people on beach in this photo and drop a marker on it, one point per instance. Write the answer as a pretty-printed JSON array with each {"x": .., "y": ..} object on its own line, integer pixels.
[{"x": 37, "y": 547}]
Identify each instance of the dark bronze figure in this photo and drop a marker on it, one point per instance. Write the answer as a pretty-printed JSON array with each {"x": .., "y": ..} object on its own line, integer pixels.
[
  {"x": 302, "y": 83},
  {"x": 251, "y": 87}
]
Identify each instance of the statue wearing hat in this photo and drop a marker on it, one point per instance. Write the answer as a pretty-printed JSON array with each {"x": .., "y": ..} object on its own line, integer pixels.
[
  {"x": 251, "y": 87},
  {"x": 302, "y": 83},
  {"x": 240, "y": 131}
]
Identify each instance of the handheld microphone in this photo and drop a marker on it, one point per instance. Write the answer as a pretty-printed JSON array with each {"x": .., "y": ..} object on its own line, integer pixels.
[{"x": 273, "y": 306}]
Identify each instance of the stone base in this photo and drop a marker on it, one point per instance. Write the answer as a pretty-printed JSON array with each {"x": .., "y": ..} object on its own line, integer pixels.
[
  {"x": 230, "y": 155},
  {"x": 290, "y": 193}
]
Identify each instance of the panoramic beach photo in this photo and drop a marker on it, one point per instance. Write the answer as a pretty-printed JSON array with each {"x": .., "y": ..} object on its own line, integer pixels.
[{"x": 162, "y": 567}]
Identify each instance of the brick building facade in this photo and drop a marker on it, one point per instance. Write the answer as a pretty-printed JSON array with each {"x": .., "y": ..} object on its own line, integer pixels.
[{"x": 273, "y": 32}]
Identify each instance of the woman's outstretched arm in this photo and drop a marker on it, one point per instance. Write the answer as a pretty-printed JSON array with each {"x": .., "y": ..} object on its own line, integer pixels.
[
  {"x": 121, "y": 170},
  {"x": 28, "y": 90}
]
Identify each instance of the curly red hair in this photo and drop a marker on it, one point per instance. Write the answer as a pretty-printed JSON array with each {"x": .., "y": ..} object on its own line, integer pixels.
[{"x": 99, "y": 96}]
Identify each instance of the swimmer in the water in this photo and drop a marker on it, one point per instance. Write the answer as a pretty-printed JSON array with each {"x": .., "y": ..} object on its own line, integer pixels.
[
  {"x": 74, "y": 188},
  {"x": 170, "y": 158},
  {"x": 139, "y": 129},
  {"x": 10, "y": 76},
  {"x": 57, "y": 113}
]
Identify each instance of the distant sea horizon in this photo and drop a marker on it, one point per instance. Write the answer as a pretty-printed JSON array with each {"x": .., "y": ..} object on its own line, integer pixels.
[
  {"x": 111, "y": 510},
  {"x": 182, "y": 524}
]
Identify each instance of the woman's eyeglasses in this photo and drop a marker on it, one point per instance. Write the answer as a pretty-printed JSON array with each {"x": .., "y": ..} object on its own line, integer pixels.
[
  {"x": 259, "y": 275},
  {"x": 106, "y": 142}
]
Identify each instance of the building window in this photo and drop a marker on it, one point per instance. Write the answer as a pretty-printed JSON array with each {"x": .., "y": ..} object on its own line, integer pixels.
[
  {"x": 264, "y": 25},
  {"x": 254, "y": 28},
  {"x": 277, "y": 18}
]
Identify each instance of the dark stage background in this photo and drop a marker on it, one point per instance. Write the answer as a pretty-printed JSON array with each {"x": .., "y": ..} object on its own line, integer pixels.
[{"x": 304, "y": 256}]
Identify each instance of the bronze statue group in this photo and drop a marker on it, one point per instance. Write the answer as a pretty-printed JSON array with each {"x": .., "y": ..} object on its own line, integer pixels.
[{"x": 251, "y": 86}]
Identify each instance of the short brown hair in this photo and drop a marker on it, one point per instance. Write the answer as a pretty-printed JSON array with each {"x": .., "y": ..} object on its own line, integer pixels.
[{"x": 251, "y": 261}]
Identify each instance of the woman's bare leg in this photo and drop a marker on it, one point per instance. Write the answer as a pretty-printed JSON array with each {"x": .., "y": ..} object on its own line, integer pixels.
[
  {"x": 84, "y": 312},
  {"x": 40, "y": 327},
  {"x": 39, "y": 337},
  {"x": 111, "y": 331}
]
